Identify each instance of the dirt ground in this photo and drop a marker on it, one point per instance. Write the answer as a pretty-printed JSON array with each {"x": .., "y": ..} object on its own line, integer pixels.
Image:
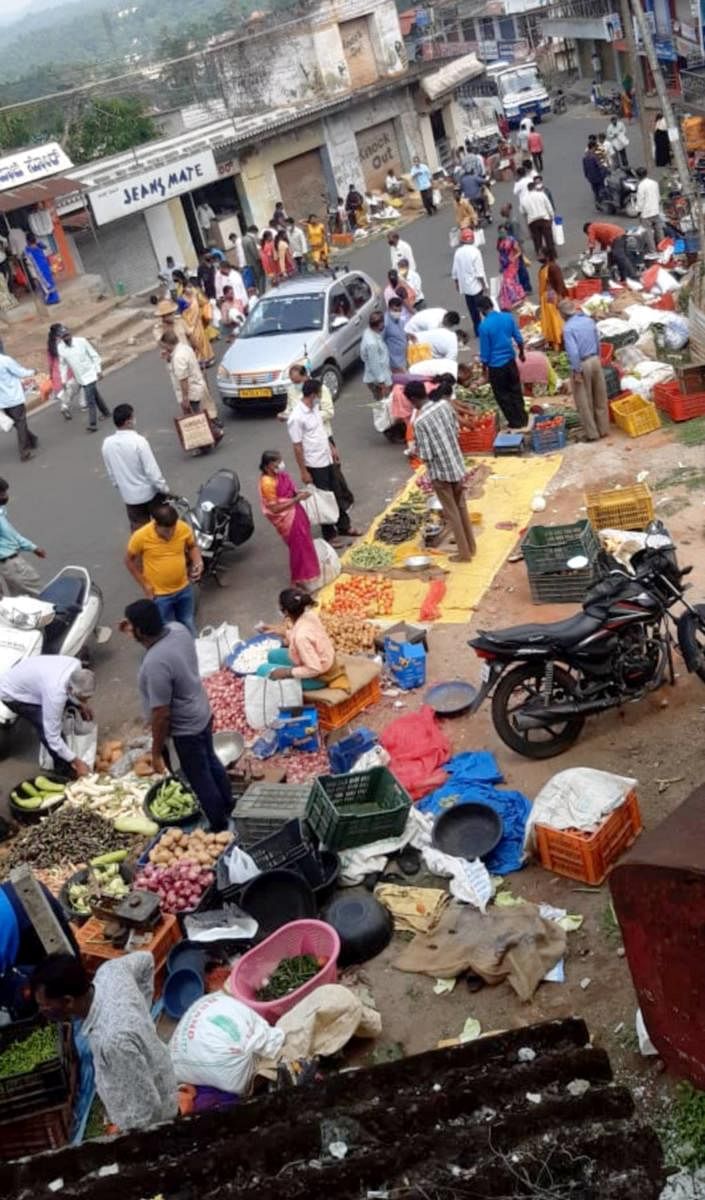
[{"x": 658, "y": 741}]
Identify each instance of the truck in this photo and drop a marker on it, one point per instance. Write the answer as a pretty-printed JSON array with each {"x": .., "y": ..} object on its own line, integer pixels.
[{"x": 514, "y": 90}]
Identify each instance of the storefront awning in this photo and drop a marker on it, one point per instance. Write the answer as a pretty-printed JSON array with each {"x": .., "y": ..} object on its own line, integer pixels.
[
  {"x": 451, "y": 76},
  {"x": 32, "y": 193}
]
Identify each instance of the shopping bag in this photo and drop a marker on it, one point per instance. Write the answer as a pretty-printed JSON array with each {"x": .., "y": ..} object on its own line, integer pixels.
[
  {"x": 436, "y": 197},
  {"x": 558, "y": 231},
  {"x": 213, "y": 645},
  {"x": 480, "y": 237},
  {"x": 81, "y": 737},
  {"x": 320, "y": 507},
  {"x": 195, "y": 431},
  {"x": 6, "y": 423},
  {"x": 264, "y": 697},
  {"x": 382, "y": 414},
  {"x": 328, "y": 562}
]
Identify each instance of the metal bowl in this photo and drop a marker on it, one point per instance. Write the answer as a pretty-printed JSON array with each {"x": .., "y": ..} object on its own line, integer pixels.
[
  {"x": 228, "y": 745},
  {"x": 417, "y": 562}
]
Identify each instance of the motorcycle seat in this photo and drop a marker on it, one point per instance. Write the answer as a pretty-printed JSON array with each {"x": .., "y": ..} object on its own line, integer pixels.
[
  {"x": 555, "y": 633},
  {"x": 221, "y": 489},
  {"x": 67, "y": 593}
]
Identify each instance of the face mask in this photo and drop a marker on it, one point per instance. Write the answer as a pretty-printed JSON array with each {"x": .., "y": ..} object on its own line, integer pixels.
[{"x": 280, "y": 467}]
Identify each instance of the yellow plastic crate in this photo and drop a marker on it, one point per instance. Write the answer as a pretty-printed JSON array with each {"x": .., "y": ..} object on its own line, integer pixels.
[
  {"x": 630, "y": 507},
  {"x": 635, "y": 415}
]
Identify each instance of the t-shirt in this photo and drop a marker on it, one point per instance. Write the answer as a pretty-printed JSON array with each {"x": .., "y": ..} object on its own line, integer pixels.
[
  {"x": 184, "y": 365},
  {"x": 443, "y": 342},
  {"x": 169, "y": 677},
  {"x": 427, "y": 318},
  {"x": 163, "y": 562},
  {"x": 306, "y": 429}
]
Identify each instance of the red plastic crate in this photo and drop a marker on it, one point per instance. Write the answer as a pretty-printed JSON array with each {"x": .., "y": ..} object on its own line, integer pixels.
[
  {"x": 584, "y": 288},
  {"x": 679, "y": 407},
  {"x": 334, "y": 716},
  {"x": 606, "y": 353},
  {"x": 666, "y": 302},
  {"x": 589, "y": 856},
  {"x": 478, "y": 441}
]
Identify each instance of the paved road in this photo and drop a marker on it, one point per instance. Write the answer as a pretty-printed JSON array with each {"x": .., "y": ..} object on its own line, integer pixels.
[{"x": 63, "y": 501}]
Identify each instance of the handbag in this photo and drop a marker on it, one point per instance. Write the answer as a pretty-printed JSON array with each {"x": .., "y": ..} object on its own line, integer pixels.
[{"x": 558, "y": 231}]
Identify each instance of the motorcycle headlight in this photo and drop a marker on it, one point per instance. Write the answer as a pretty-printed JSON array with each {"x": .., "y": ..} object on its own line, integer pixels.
[{"x": 204, "y": 540}]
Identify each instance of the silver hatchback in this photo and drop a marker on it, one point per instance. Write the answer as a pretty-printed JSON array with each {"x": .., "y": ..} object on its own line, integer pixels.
[{"x": 317, "y": 319}]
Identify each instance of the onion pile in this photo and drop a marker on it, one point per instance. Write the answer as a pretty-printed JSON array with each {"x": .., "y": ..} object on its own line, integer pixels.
[
  {"x": 226, "y": 693},
  {"x": 180, "y": 888}
]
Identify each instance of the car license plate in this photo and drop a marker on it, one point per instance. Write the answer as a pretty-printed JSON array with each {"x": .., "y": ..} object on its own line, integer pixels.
[
  {"x": 485, "y": 671},
  {"x": 254, "y": 393}
]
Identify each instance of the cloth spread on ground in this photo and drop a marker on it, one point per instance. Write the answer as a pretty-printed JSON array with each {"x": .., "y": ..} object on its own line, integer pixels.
[
  {"x": 417, "y": 749},
  {"x": 470, "y": 780},
  {"x": 366, "y": 860},
  {"x": 515, "y": 944},
  {"x": 469, "y": 880},
  {"x": 578, "y": 798},
  {"x": 359, "y": 671},
  {"x": 413, "y": 909}
]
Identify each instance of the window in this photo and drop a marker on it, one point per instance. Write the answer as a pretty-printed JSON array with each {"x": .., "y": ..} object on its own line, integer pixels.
[
  {"x": 506, "y": 29},
  {"x": 338, "y": 304},
  {"x": 284, "y": 314},
  {"x": 358, "y": 290},
  {"x": 487, "y": 29},
  {"x": 468, "y": 28}
]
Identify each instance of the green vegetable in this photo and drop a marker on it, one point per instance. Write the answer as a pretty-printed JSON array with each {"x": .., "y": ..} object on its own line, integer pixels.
[
  {"x": 138, "y": 825},
  {"x": 29, "y": 802},
  {"x": 372, "y": 557},
  {"x": 28, "y": 789},
  {"x": 28, "y": 1053},
  {"x": 290, "y": 974},
  {"x": 172, "y": 802},
  {"x": 46, "y": 785},
  {"x": 115, "y": 856}
]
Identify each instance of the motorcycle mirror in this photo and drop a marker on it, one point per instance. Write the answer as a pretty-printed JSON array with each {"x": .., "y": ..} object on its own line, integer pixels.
[
  {"x": 578, "y": 562},
  {"x": 207, "y": 505}
]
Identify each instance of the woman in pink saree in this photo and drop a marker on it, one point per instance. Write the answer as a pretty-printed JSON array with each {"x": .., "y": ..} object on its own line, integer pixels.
[{"x": 281, "y": 505}]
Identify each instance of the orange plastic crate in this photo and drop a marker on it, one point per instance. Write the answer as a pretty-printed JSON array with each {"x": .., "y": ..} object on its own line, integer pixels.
[
  {"x": 95, "y": 950},
  {"x": 589, "y": 856},
  {"x": 630, "y": 507},
  {"x": 606, "y": 353},
  {"x": 334, "y": 716},
  {"x": 480, "y": 440},
  {"x": 670, "y": 399}
]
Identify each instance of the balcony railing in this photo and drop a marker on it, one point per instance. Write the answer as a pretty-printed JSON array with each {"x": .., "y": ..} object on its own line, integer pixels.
[
  {"x": 578, "y": 9},
  {"x": 693, "y": 85}
]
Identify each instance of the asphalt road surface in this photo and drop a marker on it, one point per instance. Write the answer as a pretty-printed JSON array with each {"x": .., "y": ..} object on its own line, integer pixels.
[{"x": 63, "y": 501}]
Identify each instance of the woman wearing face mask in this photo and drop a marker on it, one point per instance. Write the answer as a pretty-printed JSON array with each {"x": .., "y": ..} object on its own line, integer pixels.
[{"x": 281, "y": 505}]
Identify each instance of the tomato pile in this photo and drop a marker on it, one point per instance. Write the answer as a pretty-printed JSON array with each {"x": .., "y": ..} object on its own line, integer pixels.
[{"x": 363, "y": 596}]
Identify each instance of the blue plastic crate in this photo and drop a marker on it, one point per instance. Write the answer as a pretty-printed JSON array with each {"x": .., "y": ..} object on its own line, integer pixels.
[
  {"x": 344, "y": 754},
  {"x": 544, "y": 440},
  {"x": 297, "y": 729},
  {"x": 406, "y": 662}
]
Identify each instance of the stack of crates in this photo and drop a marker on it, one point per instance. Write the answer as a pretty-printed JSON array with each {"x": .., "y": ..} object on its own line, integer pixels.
[
  {"x": 547, "y": 549},
  {"x": 265, "y": 807}
]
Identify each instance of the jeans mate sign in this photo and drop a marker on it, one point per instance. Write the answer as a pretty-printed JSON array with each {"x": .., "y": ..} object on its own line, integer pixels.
[
  {"x": 26, "y": 166},
  {"x": 152, "y": 187}
]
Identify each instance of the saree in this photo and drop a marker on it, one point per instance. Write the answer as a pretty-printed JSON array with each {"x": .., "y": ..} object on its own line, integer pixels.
[
  {"x": 292, "y": 525},
  {"x": 511, "y": 292},
  {"x": 317, "y": 242},
  {"x": 41, "y": 272},
  {"x": 196, "y": 329},
  {"x": 549, "y": 295}
]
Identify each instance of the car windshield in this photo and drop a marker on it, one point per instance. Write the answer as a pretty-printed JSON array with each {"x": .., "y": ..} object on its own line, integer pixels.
[
  {"x": 521, "y": 80},
  {"x": 284, "y": 314}
]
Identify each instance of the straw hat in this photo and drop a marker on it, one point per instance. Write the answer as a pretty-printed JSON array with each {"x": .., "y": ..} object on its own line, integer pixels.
[{"x": 166, "y": 308}]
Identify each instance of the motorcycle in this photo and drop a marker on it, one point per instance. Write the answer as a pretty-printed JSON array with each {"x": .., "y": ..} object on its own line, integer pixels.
[
  {"x": 545, "y": 680},
  {"x": 610, "y": 104},
  {"x": 72, "y": 607},
  {"x": 221, "y": 519},
  {"x": 618, "y": 194}
]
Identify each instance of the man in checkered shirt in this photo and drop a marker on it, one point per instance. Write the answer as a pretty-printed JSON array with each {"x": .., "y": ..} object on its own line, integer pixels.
[{"x": 436, "y": 437}]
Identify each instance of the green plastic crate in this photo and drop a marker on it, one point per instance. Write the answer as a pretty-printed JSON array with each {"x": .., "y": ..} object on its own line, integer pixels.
[
  {"x": 547, "y": 548},
  {"x": 353, "y": 810}
]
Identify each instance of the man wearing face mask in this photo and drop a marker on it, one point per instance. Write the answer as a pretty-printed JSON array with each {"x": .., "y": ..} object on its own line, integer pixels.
[
  {"x": 132, "y": 468},
  {"x": 317, "y": 457},
  {"x": 394, "y": 335}
]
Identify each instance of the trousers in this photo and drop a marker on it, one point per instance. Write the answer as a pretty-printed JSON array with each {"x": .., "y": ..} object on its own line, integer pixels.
[
  {"x": 506, "y": 389},
  {"x": 206, "y": 774},
  {"x": 26, "y": 440},
  {"x": 329, "y": 480},
  {"x": 455, "y": 511},
  {"x": 94, "y": 401},
  {"x": 541, "y": 231},
  {"x": 427, "y": 197},
  {"x": 33, "y": 714},
  {"x": 590, "y": 394},
  {"x": 281, "y": 658},
  {"x": 471, "y": 301},
  {"x": 622, "y": 259},
  {"x": 178, "y": 606},
  {"x": 653, "y": 227},
  {"x": 19, "y": 577}
]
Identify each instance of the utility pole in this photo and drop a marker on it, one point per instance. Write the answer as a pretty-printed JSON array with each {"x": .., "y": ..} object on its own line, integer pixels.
[
  {"x": 638, "y": 77},
  {"x": 689, "y": 192}
]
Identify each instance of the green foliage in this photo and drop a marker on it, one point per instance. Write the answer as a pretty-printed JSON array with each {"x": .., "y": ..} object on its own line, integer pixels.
[
  {"x": 682, "y": 1129},
  {"x": 109, "y": 127}
]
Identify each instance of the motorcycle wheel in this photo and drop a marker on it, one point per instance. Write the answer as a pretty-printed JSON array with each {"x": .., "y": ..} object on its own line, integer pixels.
[
  {"x": 691, "y": 639},
  {"x": 631, "y": 208},
  {"x": 523, "y": 683}
]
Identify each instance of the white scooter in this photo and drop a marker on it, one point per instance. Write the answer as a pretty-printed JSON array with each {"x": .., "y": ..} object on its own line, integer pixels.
[{"x": 62, "y": 624}]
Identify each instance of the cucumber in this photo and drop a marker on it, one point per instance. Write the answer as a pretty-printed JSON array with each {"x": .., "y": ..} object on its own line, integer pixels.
[
  {"x": 114, "y": 856},
  {"x": 28, "y": 802},
  {"x": 28, "y": 789},
  {"x": 46, "y": 785}
]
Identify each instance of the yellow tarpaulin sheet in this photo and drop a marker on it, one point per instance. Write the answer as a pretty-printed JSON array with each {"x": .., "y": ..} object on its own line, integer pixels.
[{"x": 505, "y": 500}]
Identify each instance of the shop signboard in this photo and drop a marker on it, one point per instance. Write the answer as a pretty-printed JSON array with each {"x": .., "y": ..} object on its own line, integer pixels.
[
  {"x": 153, "y": 186},
  {"x": 27, "y": 166}
]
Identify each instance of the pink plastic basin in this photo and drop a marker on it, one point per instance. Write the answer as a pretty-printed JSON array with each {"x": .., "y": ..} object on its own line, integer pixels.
[{"x": 298, "y": 937}]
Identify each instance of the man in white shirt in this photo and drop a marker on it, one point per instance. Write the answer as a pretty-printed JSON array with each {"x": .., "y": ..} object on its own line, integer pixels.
[
  {"x": 469, "y": 274},
  {"x": 236, "y": 254},
  {"x": 205, "y": 215},
  {"x": 77, "y": 355},
  {"x": 392, "y": 185},
  {"x": 132, "y": 467},
  {"x": 316, "y": 455},
  {"x": 648, "y": 202},
  {"x": 187, "y": 378},
  {"x": 298, "y": 243},
  {"x": 399, "y": 249},
  {"x": 227, "y": 276},
  {"x": 538, "y": 212},
  {"x": 41, "y": 224},
  {"x": 428, "y": 318},
  {"x": 441, "y": 337},
  {"x": 39, "y": 689},
  {"x": 525, "y": 127}
]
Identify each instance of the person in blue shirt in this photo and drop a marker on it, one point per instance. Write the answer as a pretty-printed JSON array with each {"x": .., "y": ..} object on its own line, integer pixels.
[
  {"x": 19, "y": 576},
  {"x": 12, "y": 402},
  {"x": 499, "y": 334},
  {"x": 394, "y": 334},
  {"x": 423, "y": 180},
  {"x": 21, "y": 950},
  {"x": 582, "y": 345}
]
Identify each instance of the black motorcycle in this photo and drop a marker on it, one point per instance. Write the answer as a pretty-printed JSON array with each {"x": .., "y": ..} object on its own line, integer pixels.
[
  {"x": 618, "y": 192},
  {"x": 221, "y": 520},
  {"x": 546, "y": 679}
]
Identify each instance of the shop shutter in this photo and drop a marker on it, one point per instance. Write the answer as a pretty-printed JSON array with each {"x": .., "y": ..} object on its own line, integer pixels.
[
  {"x": 359, "y": 53},
  {"x": 127, "y": 250},
  {"x": 379, "y": 151},
  {"x": 302, "y": 185}
]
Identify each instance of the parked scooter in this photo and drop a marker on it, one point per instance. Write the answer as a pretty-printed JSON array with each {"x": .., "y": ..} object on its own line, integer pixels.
[
  {"x": 618, "y": 194},
  {"x": 77, "y": 604},
  {"x": 221, "y": 519},
  {"x": 611, "y": 104}
]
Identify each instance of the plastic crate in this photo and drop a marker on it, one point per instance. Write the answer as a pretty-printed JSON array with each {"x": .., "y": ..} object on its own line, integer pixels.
[
  {"x": 629, "y": 507},
  {"x": 548, "y": 434},
  {"x": 406, "y": 662},
  {"x": 480, "y": 440},
  {"x": 691, "y": 378},
  {"x": 679, "y": 407},
  {"x": 584, "y": 288},
  {"x": 95, "y": 949},
  {"x": 666, "y": 302},
  {"x": 353, "y": 810},
  {"x": 334, "y": 716},
  {"x": 297, "y": 729},
  {"x": 280, "y": 849},
  {"x": 613, "y": 383},
  {"x": 298, "y": 937},
  {"x": 265, "y": 807},
  {"x": 547, "y": 548},
  {"x": 561, "y": 587},
  {"x": 49, "y": 1129},
  {"x": 344, "y": 754},
  {"x": 589, "y": 856},
  {"x": 48, "y": 1084},
  {"x": 636, "y": 416},
  {"x": 611, "y": 402},
  {"x": 606, "y": 353}
]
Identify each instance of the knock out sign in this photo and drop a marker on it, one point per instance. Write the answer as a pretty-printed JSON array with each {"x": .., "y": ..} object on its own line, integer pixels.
[{"x": 379, "y": 151}]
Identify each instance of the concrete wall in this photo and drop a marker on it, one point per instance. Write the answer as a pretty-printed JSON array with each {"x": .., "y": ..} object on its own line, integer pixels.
[
  {"x": 169, "y": 232},
  {"x": 296, "y": 63}
]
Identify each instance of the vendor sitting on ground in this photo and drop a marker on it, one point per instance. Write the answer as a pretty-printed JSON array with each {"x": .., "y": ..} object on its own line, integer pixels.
[
  {"x": 308, "y": 653},
  {"x": 134, "y": 1076},
  {"x": 21, "y": 950}
]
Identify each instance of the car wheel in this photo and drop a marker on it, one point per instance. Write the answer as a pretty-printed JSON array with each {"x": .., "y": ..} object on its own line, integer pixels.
[{"x": 332, "y": 378}]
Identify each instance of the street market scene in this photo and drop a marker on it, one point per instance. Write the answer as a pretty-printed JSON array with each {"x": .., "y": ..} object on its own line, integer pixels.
[{"x": 352, "y": 626}]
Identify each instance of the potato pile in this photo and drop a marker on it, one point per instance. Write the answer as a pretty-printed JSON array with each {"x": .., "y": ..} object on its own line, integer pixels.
[
  {"x": 198, "y": 847},
  {"x": 110, "y": 752},
  {"x": 348, "y": 634}
]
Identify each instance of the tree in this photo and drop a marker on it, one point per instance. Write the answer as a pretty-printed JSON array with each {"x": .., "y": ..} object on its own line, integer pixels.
[
  {"x": 109, "y": 127},
  {"x": 15, "y": 129}
]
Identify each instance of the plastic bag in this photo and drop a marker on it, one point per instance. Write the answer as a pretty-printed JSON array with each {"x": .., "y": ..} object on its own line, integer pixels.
[
  {"x": 213, "y": 645},
  {"x": 80, "y": 736},
  {"x": 320, "y": 507},
  {"x": 436, "y": 197},
  {"x": 376, "y": 757},
  {"x": 239, "y": 866},
  {"x": 381, "y": 414},
  {"x": 217, "y": 1043},
  {"x": 558, "y": 231},
  {"x": 328, "y": 562},
  {"x": 480, "y": 238},
  {"x": 677, "y": 333},
  {"x": 6, "y": 423},
  {"x": 264, "y": 697}
]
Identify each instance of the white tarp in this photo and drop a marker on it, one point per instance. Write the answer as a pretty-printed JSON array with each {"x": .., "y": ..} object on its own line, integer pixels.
[{"x": 461, "y": 70}]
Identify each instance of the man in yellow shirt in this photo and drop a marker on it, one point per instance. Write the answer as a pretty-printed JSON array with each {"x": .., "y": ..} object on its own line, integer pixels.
[{"x": 164, "y": 559}]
